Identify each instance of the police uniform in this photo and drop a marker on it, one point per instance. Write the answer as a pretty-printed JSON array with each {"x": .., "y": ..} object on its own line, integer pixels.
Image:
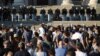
[
  {"x": 76, "y": 11},
  {"x": 6, "y": 14},
  {"x": 50, "y": 15},
  {"x": 13, "y": 14},
  {"x": 64, "y": 14},
  {"x": 19, "y": 14},
  {"x": 1, "y": 13},
  {"x": 88, "y": 14},
  {"x": 57, "y": 14},
  {"x": 82, "y": 14},
  {"x": 71, "y": 14},
  {"x": 93, "y": 13},
  {"x": 34, "y": 14},
  {"x": 42, "y": 15},
  {"x": 25, "y": 12}
]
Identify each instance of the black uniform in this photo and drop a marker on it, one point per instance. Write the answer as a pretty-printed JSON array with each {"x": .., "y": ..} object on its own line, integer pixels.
[
  {"x": 57, "y": 13},
  {"x": 25, "y": 11},
  {"x": 1, "y": 12},
  {"x": 76, "y": 11},
  {"x": 93, "y": 13},
  {"x": 13, "y": 11},
  {"x": 50, "y": 11},
  {"x": 64, "y": 11},
  {"x": 88, "y": 11},
  {"x": 82, "y": 11},
  {"x": 6, "y": 14},
  {"x": 71, "y": 11},
  {"x": 42, "y": 11},
  {"x": 34, "y": 11}
]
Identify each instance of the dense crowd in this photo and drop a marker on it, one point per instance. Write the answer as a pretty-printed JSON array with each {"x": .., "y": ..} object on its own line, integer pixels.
[
  {"x": 48, "y": 40},
  {"x": 30, "y": 13}
]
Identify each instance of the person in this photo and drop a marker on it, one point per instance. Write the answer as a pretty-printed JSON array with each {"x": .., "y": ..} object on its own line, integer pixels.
[
  {"x": 42, "y": 15},
  {"x": 25, "y": 12},
  {"x": 19, "y": 13},
  {"x": 71, "y": 14},
  {"x": 34, "y": 40},
  {"x": 22, "y": 51},
  {"x": 6, "y": 14},
  {"x": 78, "y": 51},
  {"x": 27, "y": 35},
  {"x": 60, "y": 51},
  {"x": 57, "y": 14},
  {"x": 13, "y": 14},
  {"x": 82, "y": 14},
  {"x": 93, "y": 13},
  {"x": 1, "y": 13},
  {"x": 41, "y": 30},
  {"x": 40, "y": 51},
  {"x": 50, "y": 15},
  {"x": 34, "y": 13},
  {"x": 88, "y": 13},
  {"x": 6, "y": 47},
  {"x": 64, "y": 14},
  {"x": 70, "y": 53},
  {"x": 76, "y": 11}
]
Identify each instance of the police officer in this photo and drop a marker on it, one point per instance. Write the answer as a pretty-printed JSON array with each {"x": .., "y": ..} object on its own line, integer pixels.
[
  {"x": 76, "y": 11},
  {"x": 42, "y": 15},
  {"x": 1, "y": 13},
  {"x": 93, "y": 13},
  {"x": 34, "y": 14},
  {"x": 13, "y": 14},
  {"x": 19, "y": 13},
  {"x": 6, "y": 14},
  {"x": 50, "y": 15},
  {"x": 71, "y": 14},
  {"x": 88, "y": 13},
  {"x": 64, "y": 14},
  {"x": 57, "y": 14},
  {"x": 82, "y": 14},
  {"x": 25, "y": 12}
]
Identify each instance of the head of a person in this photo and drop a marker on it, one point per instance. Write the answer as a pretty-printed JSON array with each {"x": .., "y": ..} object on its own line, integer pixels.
[
  {"x": 39, "y": 47},
  {"x": 60, "y": 43},
  {"x": 66, "y": 34},
  {"x": 36, "y": 34},
  {"x": 21, "y": 45},
  {"x": 79, "y": 46},
  {"x": 66, "y": 41},
  {"x": 6, "y": 44},
  {"x": 70, "y": 53}
]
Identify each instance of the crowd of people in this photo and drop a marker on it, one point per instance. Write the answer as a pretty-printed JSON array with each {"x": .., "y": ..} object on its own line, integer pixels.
[
  {"x": 48, "y": 40},
  {"x": 30, "y": 12}
]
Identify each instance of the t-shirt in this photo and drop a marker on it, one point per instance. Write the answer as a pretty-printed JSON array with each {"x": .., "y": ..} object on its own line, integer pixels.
[
  {"x": 60, "y": 52},
  {"x": 80, "y": 53},
  {"x": 41, "y": 31}
]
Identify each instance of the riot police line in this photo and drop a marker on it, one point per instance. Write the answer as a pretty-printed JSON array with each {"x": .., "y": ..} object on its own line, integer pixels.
[{"x": 30, "y": 13}]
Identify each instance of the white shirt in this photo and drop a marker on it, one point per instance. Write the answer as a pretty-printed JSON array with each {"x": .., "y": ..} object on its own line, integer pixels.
[
  {"x": 41, "y": 54},
  {"x": 41, "y": 31},
  {"x": 80, "y": 53},
  {"x": 76, "y": 36}
]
